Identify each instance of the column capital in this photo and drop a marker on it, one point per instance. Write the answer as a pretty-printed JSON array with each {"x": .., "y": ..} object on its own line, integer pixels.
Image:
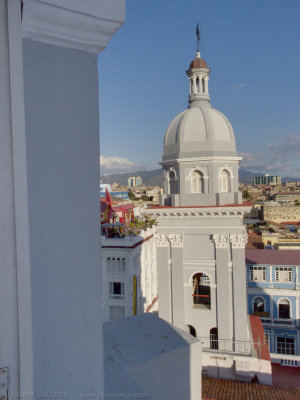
[
  {"x": 238, "y": 241},
  {"x": 221, "y": 241},
  {"x": 84, "y": 25},
  {"x": 161, "y": 240},
  {"x": 176, "y": 240}
]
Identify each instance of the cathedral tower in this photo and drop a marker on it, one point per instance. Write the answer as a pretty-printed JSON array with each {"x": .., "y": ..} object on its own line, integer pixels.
[{"x": 200, "y": 233}]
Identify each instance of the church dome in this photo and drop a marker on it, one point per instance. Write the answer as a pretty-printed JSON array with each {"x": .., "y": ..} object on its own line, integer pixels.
[
  {"x": 198, "y": 132},
  {"x": 198, "y": 63}
]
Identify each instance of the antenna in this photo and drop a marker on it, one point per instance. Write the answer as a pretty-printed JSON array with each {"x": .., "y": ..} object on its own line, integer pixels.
[{"x": 198, "y": 37}]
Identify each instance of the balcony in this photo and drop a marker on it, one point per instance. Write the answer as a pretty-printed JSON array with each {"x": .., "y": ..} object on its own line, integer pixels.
[
  {"x": 116, "y": 297},
  {"x": 228, "y": 346},
  {"x": 261, "y": 314}
]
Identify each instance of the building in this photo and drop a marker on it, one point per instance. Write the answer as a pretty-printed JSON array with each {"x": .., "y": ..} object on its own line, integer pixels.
[
  {"x": 274, "y": 212},
  {"x": 273, "y": 291},
  {"x": 138, "y": 181},
  {"x": 267, "y": 180},
  {"x": 131, "y": 181},
  {"x": 51, "y": 319},
  {"x": 129, "y": 275},
  {"x": 201, "y": 238}
]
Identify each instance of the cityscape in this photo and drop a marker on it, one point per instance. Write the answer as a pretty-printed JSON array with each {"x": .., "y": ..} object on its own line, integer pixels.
[{"x": 176, "y": 280}]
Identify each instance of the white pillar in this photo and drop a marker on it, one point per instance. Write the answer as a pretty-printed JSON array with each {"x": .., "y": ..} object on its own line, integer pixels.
[
  {"x": 15, "y": 293},
  {"x": 50, "y": 304}
]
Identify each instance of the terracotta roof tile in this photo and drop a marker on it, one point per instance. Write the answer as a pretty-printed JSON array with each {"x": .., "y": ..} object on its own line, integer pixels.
[{"x": 223, "y": 389}]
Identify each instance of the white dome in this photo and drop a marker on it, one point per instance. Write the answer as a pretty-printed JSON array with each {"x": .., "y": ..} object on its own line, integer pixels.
[{"x": 198, "y": 132}]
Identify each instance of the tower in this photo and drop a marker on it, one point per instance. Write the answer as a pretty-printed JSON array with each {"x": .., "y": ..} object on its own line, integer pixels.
[{"x": 200, "y": 233}]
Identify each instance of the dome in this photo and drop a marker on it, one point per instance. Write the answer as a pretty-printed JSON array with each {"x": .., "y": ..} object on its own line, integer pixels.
[
  {"x": 198, "y": 63},
  {"x": 199, "y": 132}
]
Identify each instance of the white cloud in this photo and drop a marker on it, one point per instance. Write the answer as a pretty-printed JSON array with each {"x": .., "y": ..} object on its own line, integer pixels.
[{"x": 114, "y": 164}]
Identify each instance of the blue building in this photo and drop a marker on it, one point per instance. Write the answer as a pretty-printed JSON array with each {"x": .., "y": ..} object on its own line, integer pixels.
[{"x": 273, "y": 291}]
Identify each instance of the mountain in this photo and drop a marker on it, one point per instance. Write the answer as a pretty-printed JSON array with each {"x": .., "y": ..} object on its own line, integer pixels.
[{"x": 155, "y": 177}]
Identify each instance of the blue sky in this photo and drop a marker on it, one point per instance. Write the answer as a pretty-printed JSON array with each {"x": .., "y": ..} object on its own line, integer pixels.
[{"x": 252, "y": 48}]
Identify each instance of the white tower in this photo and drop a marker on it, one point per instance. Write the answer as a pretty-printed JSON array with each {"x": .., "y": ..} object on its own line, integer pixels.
[{"x": 200, "y": 233}]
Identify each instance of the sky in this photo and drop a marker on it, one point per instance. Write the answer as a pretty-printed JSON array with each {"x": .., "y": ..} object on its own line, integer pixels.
[{"x": 252, "y": 48}]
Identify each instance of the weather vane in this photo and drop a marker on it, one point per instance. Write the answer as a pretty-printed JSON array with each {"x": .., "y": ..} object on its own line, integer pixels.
[{"x": 198, "y": 37}]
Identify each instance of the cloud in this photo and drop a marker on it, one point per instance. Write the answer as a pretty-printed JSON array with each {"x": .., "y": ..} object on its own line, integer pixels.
[
  {"x": 264, "y": 162},
  {"x": 239, "y": 85},
  {"x": 287, "y": 146},
  {"x": 114, "y": 164}
]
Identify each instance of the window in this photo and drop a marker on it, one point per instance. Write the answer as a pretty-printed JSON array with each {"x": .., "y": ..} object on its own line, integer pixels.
[
  {"x": 284, "y": 309},
  {"x": 268, "y": 339},
  {"x": 285, "y": 345},
  {"x": 197, "y": 182},
  {"x": 115, "y": 266},
  {"x": 213, "y": 334},
  {"x": 224, "y": 181},
  {"x": 116, "y": 291},
  {"x": 116, "y": 312},
  {"x": 201, "y": 291},
  {"x": 257, "y": 274},
  {"x": 258, "y": 305},
  {"x": 283, "y": 274},
  {"x": 192, "y": 330}
]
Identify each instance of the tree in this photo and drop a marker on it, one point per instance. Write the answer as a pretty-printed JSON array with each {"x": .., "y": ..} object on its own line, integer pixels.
[{"x": 246, "y": 195}]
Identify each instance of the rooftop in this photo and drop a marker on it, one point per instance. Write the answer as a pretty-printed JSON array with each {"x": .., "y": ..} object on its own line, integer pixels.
[
  {"x": 273, "y": 257},
  {"x": 223, "y": 389}
]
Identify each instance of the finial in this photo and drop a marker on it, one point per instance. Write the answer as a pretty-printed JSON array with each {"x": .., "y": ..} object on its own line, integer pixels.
[{"x": 198, "y": 37}]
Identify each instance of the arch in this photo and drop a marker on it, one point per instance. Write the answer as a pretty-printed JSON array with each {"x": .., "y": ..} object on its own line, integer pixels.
[
  {"x": 284, "y": 308},
  {"x": 213, "y": 338},
  {"x": 201, "y": 291},
  {"x": 203, "y": 85},
  {"x": 192, "y": 330},
  {"x": 172, "y": 181},
  {"x": 224, "y": 181},
  {"x": 197, "y": 181},
  {"x": 258, "y": 305}
]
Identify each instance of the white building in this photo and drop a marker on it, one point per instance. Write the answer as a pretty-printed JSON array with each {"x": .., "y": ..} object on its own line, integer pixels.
[
  {"x": 201, "y": 238},
  {"x": 129, "y": 274}
]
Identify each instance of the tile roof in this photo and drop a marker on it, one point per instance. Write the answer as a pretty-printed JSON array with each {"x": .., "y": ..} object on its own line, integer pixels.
[
  {"x": 225, "y": 389},
  {"x": 273, "y": 257}
]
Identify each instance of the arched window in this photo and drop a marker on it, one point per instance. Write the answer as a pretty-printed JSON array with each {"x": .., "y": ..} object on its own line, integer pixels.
[
  {"x": 203, "y": 85},
  {"x": 192, "y": 330},
  {"x": 201, "y": 291},
  {"x": 224, "y": 181},
  {"x": 198, "y": 85},
  {"x": 197, "y": 182},
  {"x": 172, "y": 182},
  {"x": 213, "y": 336},
  {"x": 258, "y": 305},
  {"x": 284, "y": 309}
]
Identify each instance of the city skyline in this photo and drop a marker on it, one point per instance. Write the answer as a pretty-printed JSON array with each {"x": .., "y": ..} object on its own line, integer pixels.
[{"x": 252, "y": 53}]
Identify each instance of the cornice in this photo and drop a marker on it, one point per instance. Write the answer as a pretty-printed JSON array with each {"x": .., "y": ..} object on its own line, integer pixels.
[
  {"x": 202, "y": 213},
  {"x": 199, "y": 159},
  {"x": 84, "y": 25}
]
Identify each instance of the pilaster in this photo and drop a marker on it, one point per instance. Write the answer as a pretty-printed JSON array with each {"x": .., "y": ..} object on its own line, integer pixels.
[
  {"x": 224, "y": 289},
  {"x": 238, "y": 242}
]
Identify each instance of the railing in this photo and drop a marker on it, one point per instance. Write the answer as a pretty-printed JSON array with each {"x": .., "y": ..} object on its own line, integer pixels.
[
  {"x": 230, "y": 346},
  {"x": 285, "y": 360},
  {"x": 117, "y": 297},
  {"x": 201, "y": 301}
]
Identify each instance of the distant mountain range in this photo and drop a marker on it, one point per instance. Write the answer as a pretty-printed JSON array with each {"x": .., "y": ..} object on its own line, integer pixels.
[{"x": 155, "y": 177}]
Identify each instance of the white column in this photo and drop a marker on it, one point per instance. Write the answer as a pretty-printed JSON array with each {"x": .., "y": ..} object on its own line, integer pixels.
[
  {"x": 206, "y": 84},
  {"x": 200, "y": 84},
  {"x": 15, "y": 294},
  {"x": 194, "y": 86}
]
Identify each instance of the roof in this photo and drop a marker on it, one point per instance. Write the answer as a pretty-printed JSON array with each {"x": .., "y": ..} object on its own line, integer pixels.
[
  {"x": 104, "y": 205},
  {"x": 273, "y": 257},
  {"x": 258, "y": 335},
  {"x": 225, "y": 389},
  {"x": 198, "y": 63},
  {"x": 244, "y": 204},
  {"x": 121, "y": 207}
]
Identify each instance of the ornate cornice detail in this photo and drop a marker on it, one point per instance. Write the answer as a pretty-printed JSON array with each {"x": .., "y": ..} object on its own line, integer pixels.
[
  {"x": 176, "y": 240},
  {"x": 84, "y": 25},
  {"x": 221, "y": 241},
  {"x": 238, "y": 241},
  {"x": 161, "y": 240},
  {"x": 203, "y": 214}
]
